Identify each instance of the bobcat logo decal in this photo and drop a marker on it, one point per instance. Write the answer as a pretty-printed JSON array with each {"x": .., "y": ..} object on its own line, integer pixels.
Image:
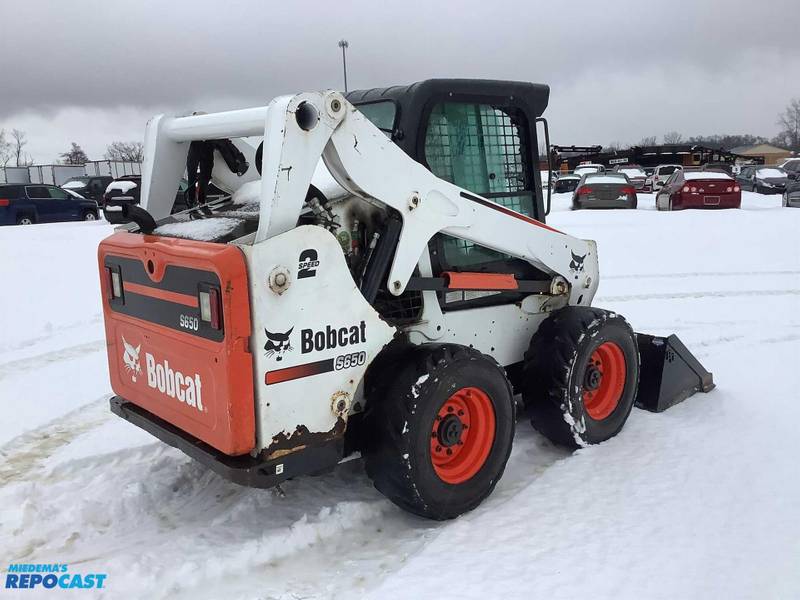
[
  {"x": 278, "y": 343},
  {"x": 576, "y": 264},
  {"x": 131, "y": 359}
]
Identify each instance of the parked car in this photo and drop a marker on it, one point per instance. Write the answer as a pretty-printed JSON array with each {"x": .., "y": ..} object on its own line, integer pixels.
[
  {"x": 718, "y": 166},
  {"x": 548, "y": 181},
  {"x": 763, "y": 180},
  {"x": 566, "y": 183},
  {"x": 791, "y": 196},
  {"x": 635, "y": 173},
  {"x": 127, "y": 189},
  {"x": 792, "y": 167},
  {"x": 589, "y": 168},
  {"x": 89, "y": 186},
  {"x": 26, "y": 204},
  {"x": 660, "y": 175},
  {"x": 699, "y": 189},
  {"x": 604, "y": 190}
]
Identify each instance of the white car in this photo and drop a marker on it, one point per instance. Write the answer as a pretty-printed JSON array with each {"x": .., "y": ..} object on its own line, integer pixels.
[
  {"x": 659, "y": 177},
  {"x": 589, "y": 168}
]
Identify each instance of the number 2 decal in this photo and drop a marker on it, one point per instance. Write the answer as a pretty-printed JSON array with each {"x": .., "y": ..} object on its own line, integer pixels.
[{"x": 307, "y": 264}]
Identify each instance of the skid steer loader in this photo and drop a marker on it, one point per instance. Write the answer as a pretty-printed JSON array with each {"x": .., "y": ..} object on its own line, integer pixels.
[{"x": 395, "y": 310}]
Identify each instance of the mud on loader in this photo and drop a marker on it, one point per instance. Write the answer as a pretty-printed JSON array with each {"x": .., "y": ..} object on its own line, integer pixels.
[{"x": 397, "y": 313}]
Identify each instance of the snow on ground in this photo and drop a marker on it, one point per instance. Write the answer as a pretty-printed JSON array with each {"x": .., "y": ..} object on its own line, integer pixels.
[{"x": 702, "y": 501}]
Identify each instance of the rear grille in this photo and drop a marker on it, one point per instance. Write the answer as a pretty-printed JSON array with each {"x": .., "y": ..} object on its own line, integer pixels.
[{"x": 399, "y": 310}]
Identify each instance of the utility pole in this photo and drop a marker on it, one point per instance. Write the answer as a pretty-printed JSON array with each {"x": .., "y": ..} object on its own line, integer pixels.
[{"x": 344, "y": 45}]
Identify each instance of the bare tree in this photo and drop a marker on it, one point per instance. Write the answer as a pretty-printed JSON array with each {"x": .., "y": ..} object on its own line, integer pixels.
[
  {"x": 18, "y": 142},
  {"x": 5, "y": 148},
  {"x": 126, "y": 151},
  {"x": 789, "y": 121},
  {"x": 74, "y": 156},
  {"x": 613, "y": 147},
  {"x": 673, "y": 137},
  {"x": 650, "y": 140}
]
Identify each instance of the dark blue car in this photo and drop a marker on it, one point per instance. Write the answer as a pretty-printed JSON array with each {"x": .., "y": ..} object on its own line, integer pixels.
[{"x": 25, "y": 204}]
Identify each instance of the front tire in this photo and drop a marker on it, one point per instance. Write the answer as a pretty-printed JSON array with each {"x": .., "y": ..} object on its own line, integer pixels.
[
  {"x": 581, "y": 374},
  {"x": 89, "y": 216},
  {"x": 440, "y": 431}
]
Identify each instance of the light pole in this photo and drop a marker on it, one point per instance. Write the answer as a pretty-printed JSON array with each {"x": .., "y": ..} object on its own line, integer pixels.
[{"x": 344, "y": 45}]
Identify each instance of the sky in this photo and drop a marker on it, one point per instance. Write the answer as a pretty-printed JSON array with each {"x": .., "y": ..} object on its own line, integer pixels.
[{"x": 94, "y": 72}]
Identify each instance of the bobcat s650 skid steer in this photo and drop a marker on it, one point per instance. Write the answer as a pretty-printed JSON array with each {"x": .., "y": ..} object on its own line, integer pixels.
[{"x": 280, "y": 330}]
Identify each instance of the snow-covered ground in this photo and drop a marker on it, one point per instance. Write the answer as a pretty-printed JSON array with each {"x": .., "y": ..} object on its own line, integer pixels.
[{"x": 702, "y": 501}]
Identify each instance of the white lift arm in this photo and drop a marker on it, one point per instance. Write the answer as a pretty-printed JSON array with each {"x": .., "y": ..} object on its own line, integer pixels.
[{"x": 299, "y": 130}]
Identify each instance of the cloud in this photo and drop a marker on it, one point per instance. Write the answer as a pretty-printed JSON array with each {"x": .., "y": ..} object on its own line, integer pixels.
[{"x": 617, "y": 70}]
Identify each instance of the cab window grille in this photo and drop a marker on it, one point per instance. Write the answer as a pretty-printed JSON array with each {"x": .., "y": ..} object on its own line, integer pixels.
[{"x": 481, "y": 148}]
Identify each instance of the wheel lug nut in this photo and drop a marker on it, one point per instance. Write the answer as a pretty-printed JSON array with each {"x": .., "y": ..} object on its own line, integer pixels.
[
  {"x": 438, "y": 448},
  {"x": 461, "y": 413},
  {"x": 449, "y": 451},
  {"x": 449, "y": 409}
]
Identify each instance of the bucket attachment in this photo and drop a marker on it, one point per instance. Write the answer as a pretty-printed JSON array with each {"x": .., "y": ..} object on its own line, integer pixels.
[{"x": 669, "y": 373}]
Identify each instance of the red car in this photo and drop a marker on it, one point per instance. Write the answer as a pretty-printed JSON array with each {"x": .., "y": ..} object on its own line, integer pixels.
[{"x": 699, "y": 189}]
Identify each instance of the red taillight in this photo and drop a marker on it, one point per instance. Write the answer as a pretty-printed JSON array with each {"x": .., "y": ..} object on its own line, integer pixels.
[
  {"x": 628, "y": 190},
  {"x": 4, "y": 201},
  {"x": 736, "y": 188},
  {"x": 583, "y": 190}
]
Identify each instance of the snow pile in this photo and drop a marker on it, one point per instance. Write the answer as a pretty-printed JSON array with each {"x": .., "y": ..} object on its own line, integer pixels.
[
  {"x": 606, "y": 178},
  {"x": 695, "y": 175},
  {"x": 123, "y": 186},
  {"x": 203, "y": 230},
  {"x": 700, "y": 501}
]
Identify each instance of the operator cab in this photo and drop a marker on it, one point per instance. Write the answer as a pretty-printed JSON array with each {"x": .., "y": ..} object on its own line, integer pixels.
[{"x": 480, "y": 135}]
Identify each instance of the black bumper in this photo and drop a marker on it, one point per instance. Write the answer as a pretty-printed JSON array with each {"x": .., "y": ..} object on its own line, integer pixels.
[{"x": 245, "y": 470}]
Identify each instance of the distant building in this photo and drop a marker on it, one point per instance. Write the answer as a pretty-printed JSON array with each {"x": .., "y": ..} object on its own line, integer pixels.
[
  {"x": 566, "y": 158},
  {"x": 768, "y": 153}
]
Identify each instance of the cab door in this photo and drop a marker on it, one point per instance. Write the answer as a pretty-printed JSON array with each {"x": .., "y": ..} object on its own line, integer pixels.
[{"x": 485, "y": 149}]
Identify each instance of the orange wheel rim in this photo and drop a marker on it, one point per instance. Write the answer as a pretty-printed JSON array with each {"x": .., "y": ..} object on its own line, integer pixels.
[
  {"x": 604, "y": 380},
  {"x": 462, "y": 435}
]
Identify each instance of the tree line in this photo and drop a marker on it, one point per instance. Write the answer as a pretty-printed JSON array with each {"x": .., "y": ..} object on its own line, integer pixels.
[
  {"x": 788, "y": 136},
  {"x": 12, "y": 151}
]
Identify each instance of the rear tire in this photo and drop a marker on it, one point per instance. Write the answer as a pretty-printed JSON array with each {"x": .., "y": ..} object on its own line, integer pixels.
[
  {"x": 581, "y": 374},
  {"x": 89, "y": 216},
  {"x": 25, "y": 220},
  {"x": 439, "y": 431}
]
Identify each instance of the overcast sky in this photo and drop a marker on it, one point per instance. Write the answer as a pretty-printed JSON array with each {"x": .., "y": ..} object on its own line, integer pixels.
[{"x": 94, "y": 72}]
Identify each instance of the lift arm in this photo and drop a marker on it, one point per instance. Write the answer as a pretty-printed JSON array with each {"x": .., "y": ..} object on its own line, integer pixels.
[{"x": 299, "y": 130}]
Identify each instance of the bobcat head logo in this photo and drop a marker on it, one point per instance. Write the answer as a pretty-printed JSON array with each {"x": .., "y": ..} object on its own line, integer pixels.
[
  {"x": 576, "y": 264},
  {"x": 131, "y": 359},
  {"x": 278, "y": 343}
]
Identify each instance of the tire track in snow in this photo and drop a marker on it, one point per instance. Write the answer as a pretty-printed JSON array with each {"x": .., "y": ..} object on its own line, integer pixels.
[
  {"x": 36, "y": 362},
  {"x": 24, "y": 456},
  {"x": 697, "y": 295},
  {"x": 697, "y": 274}
]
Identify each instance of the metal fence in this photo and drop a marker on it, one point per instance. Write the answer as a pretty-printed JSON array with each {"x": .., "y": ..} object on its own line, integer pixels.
[{"x": 58, "y": 174}]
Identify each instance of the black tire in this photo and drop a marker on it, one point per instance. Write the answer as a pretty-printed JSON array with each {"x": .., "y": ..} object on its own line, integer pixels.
[
  {"x": 557, "y": 370},
  {"x": 89, "y": 216},
  {"x": 25, "y": 220},
  {"x": 399, "y": 423}
]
